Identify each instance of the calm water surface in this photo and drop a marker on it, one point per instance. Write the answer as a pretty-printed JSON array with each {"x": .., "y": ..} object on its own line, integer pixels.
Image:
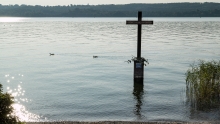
[{"x": 73, "y": 86}]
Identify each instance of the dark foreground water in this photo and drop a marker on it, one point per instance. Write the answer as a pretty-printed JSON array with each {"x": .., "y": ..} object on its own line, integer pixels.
[{"x": 73, "y": 86}]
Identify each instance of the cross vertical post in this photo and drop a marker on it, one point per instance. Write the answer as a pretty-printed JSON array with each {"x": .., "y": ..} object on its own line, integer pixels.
[
  {"x": 139, "y": 35},
  {"x": 139, "y": 66}
]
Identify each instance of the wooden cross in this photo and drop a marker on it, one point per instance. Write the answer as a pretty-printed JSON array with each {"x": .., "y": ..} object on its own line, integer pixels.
[{"x": 139, "y": 23}]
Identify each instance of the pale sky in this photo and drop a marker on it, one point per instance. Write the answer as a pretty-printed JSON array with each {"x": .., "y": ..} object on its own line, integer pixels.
[{"x": 93, "y": 2}]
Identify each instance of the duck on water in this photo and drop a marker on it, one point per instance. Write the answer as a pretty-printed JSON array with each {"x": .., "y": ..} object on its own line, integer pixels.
[{"x": 51, "y": 54}]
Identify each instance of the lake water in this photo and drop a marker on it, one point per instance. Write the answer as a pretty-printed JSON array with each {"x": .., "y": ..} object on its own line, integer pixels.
[{"x": 74, "y": 86}]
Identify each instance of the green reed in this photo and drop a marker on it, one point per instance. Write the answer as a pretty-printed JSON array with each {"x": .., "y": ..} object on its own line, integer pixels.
[{"x": 203, "y": 85}]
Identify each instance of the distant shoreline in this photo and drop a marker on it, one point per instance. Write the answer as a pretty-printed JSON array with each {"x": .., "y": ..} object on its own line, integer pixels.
[
  {"x": 207, "y": 9},
  {"x": 125, "y": 122}
]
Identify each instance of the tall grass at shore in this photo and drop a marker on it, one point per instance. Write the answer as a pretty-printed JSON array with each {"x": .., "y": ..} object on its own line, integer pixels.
[{"x": 203, "y": 85}]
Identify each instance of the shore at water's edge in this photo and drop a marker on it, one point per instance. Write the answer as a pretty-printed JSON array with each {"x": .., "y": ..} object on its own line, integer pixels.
[{"x": 124, "y": 122}]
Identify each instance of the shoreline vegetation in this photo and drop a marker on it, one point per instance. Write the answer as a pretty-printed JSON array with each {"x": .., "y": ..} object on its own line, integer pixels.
[
  {"x": 206, "y": 9},
  {"x": 6, "y": 109},
  {"x": 203, "y": 85}
]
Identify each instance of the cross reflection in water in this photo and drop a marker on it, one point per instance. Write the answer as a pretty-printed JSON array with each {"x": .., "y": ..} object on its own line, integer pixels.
[{"x": 138, "y": 93}]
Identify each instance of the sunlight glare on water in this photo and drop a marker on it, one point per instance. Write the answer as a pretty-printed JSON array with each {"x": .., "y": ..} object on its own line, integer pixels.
[
  {"x": 11, "y": 19},
  {"x": 23, "y": 114},
  {"x": 19, "y": 98}
]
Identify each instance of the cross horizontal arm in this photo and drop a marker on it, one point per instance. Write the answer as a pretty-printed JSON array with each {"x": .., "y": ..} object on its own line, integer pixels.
[{"x": 139, "y": 22}]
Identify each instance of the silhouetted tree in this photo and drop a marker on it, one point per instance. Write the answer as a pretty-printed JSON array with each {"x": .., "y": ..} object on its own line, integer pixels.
[{"x": 6, "y": 109}]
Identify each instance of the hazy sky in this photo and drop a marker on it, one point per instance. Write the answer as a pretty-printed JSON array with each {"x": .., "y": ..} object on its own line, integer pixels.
[{"x": 92, "y": 2}]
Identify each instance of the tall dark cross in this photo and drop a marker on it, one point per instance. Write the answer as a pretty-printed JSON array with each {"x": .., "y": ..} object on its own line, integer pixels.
[{"x": 139, "y": 23}]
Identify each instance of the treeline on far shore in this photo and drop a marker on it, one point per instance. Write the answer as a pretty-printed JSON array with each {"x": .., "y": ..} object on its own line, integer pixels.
[{"x": 206, "y": 9}]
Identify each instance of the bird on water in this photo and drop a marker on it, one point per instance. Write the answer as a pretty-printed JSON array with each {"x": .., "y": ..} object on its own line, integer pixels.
[{"x": 51, "y": 54}]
